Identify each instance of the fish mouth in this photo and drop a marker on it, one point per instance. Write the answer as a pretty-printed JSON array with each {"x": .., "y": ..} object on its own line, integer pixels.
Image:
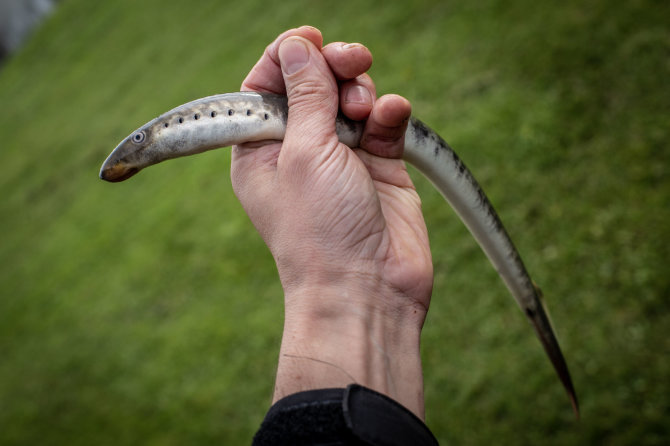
[{"x": 118, "y": 172}]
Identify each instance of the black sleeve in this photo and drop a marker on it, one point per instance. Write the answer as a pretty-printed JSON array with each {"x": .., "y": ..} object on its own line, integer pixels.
[{"x": 352, "y": 416}]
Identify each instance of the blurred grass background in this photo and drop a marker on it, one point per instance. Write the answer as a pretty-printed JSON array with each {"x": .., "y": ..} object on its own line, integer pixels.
[{"x": 149, "y": 312}]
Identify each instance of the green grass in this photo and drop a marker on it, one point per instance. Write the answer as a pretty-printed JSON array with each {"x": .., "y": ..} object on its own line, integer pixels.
[{"x": 149, "y": 312}]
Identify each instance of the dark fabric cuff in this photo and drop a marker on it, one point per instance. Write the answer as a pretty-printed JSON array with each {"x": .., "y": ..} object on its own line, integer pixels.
[{"x": 352, "y": 416}]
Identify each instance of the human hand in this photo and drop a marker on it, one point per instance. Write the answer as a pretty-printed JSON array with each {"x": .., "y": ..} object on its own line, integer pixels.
[{"x": 344, "y": 226}]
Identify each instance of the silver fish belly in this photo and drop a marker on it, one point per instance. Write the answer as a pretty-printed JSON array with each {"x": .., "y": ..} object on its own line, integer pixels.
[{"x": 234, "y": 118}]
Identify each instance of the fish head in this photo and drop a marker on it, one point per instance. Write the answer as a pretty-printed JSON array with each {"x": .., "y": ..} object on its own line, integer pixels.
[{"x": 129, "y": 157}]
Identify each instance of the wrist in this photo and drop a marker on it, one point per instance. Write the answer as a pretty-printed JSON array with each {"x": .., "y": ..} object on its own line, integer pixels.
[
  {"x": 326, "y": 288},
  {"x": 338, "y": 335}
]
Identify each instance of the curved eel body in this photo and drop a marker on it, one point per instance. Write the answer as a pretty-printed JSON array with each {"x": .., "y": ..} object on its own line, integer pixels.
[{"x": 227, "y": 119}]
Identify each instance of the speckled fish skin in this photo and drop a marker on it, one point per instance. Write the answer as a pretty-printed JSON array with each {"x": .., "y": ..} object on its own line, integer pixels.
[{"x": 234, "y": 118}]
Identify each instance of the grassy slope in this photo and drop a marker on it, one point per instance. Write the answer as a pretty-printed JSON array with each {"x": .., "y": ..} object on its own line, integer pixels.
[{"x": 149, "y": 312}]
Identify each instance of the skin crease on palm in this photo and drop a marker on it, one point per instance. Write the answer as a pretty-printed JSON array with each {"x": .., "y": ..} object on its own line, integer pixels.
[{"x": 344, "y": 224}]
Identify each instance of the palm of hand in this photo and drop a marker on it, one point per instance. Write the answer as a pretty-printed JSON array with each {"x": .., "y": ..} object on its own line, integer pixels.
[{"x": 354, "y": 212}]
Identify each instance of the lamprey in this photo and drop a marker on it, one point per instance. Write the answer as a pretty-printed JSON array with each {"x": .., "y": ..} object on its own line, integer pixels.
[{"x": 235, "y": 118}]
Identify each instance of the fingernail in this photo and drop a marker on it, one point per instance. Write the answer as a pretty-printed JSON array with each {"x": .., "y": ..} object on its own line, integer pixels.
[
  {"x": 293, "y": 55},
  {"x": 351, "y": 45},
  {"x": 358, "y": 95}
]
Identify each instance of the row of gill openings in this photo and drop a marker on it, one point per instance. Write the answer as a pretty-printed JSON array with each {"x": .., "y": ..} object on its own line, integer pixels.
[{"x": 213, "y": 114}]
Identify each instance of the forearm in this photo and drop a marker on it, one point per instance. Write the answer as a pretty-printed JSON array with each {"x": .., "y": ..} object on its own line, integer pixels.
[{"x": 338, "y": 335}]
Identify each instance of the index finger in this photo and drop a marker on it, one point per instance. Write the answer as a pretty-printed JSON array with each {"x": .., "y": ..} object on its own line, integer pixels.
[{"x": 347, "y": 60}]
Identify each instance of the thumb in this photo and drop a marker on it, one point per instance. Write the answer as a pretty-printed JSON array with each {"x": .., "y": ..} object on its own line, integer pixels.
[{"x": 312, "y": 97}]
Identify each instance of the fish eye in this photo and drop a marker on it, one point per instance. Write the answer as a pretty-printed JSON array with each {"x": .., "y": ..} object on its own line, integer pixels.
[{"x": 138, "y": 137}]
